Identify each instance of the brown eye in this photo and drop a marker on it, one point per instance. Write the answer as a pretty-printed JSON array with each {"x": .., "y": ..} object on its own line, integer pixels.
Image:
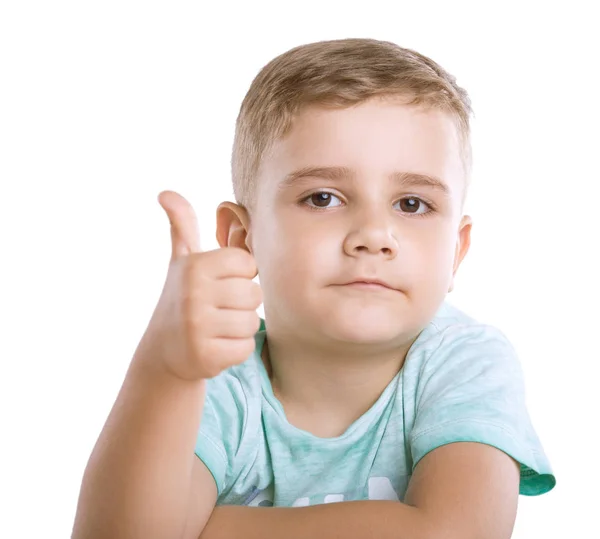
[
  {"x": 412, "y": 205},
  {"x": 322, "y": 199}
]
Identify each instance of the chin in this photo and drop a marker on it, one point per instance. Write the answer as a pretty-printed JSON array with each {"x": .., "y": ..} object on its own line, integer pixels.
[{"x": 365, "y": 327}]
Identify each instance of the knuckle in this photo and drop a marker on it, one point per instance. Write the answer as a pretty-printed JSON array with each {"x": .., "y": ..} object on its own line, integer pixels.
[
  {"x": 225, "y": 261},
  {"x": 248, "y": 348},
  {"x": 251, "y": 293},
  {"x": 243, "y": 350},
  {"x": 243, "y": 259},
  {"x": 255, "y": 323},
  {"x": 194, "y": 311},
  {"x": 197, "y": 278}
]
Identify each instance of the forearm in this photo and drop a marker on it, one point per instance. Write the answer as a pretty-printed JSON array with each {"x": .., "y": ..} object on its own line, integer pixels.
[
  {"x": 359, "y": 520},
  {"x": 137, "y": 481}
]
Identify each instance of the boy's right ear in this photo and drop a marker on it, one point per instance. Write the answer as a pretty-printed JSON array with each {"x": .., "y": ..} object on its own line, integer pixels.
[{"x": 233, "y": 226}]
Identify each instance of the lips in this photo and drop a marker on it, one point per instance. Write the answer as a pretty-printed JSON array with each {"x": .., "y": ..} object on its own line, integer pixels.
[{"x": 368, "y": 284}]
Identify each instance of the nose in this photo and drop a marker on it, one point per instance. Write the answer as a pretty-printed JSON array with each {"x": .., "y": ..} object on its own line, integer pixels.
[{"x": 373, "y": 235}]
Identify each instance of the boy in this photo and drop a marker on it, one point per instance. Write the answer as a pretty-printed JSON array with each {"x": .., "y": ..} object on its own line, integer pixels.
[{"x": 350, "y": 165}]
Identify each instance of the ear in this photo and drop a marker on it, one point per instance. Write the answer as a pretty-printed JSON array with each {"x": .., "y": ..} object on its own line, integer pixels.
[
  {"x": 462, "y": 245},
  {"x": 233, "y": 226}
]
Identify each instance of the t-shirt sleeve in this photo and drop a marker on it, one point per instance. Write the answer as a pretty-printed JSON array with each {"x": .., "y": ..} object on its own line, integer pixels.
[
  {"x": 471, "y": 389},
  {"x": 221, "y": 427}
]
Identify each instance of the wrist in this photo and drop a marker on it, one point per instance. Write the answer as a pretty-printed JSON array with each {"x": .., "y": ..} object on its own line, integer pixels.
[{"x": 150, "y": 361}]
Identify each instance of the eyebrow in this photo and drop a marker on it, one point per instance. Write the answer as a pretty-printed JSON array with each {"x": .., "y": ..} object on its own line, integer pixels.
[{"x": 406, "y": 179}]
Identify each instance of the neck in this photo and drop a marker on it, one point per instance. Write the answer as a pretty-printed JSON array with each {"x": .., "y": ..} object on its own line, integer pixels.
[{"x": 325, "y": 388}]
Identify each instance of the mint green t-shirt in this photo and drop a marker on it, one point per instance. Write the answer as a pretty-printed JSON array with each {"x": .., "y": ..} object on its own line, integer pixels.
[{"x": 461, "y": 381}]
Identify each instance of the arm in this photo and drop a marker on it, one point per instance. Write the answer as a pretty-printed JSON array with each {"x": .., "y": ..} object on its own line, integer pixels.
[
  {"x": 138, "y": 482},
  {"x": 143, "y": 479},
  {"x": 457, "y": 491}
]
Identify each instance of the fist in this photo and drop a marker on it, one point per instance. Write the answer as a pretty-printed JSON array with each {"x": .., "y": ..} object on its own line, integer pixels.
[{"x": 205, "y": 319}]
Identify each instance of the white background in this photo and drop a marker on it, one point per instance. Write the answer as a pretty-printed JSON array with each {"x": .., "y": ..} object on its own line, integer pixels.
[{"x": 104, "y": 104}]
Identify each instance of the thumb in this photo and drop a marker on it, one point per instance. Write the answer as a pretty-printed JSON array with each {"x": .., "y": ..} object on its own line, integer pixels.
[{"x": 185, "y": 237}]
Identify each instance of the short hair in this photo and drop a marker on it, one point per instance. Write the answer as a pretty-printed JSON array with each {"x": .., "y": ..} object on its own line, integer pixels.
[{"x": 337, "y": 74}]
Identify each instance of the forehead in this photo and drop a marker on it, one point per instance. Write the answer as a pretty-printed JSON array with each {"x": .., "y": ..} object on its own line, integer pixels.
[{"x": 378, "y": 137}]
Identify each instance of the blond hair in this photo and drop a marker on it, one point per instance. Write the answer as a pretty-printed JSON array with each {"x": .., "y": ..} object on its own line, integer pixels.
[{"x": 338, "y": 74}]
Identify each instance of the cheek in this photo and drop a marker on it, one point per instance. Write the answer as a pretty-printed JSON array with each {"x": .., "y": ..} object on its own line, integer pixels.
[
  {"x": 433, "y": 257},
  {"x": 292, "y": 252},
  {"x": 442, "y": 253}
]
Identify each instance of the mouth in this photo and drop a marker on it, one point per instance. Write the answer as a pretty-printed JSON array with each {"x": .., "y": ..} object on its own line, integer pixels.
[{"x": 369, "y": 284}]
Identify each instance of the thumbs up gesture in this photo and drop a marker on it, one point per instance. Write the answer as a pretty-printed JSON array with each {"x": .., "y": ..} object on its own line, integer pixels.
[{"x": 205, "y": 319}]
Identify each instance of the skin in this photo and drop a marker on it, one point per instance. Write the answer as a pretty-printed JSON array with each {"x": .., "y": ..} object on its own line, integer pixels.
[{"x": 333, "y": 347}]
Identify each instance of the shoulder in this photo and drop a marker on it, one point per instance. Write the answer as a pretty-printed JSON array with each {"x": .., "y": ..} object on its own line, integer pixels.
[
  {"x": 451, "y": 324},
  {"x": 454, "y": 340},
  {"x": 463, "y": 383},
  {"x": 462, "y": 375}
]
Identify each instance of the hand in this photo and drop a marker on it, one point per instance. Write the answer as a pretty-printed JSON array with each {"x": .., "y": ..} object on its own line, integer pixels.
[{"x": 205, "y": 319}]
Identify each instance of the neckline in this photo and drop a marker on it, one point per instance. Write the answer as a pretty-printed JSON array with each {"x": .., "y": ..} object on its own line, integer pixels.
[{"x": 277, "y": 407}]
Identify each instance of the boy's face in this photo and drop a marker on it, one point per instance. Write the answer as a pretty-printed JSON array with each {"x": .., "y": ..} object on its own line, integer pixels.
[{"x": 345, "y": 198}]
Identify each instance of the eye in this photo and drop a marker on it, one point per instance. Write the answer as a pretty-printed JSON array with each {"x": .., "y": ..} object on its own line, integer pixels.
[
  {"x": 322, "y": 199},
  {"x": 413, "y": 205}
]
